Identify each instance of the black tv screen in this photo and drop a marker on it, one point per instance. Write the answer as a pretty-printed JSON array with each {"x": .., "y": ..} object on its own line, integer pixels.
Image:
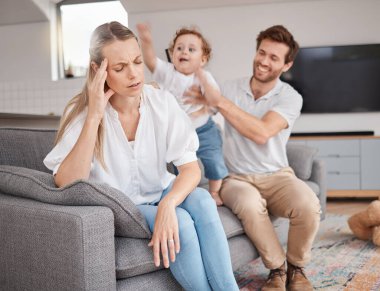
[{"x": 337, "y": 79}]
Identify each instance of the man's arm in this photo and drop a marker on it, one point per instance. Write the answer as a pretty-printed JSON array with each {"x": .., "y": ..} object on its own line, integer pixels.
[
  {"x": 256, "y": 129},
  {"x": 147, "y": 48}
]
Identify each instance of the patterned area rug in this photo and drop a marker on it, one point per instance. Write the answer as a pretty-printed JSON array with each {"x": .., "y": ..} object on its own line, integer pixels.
[{"x": 339, "y": 261}]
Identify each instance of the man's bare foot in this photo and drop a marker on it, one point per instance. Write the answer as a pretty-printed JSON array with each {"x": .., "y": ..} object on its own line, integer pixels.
[{"x": 216, "y": 197}]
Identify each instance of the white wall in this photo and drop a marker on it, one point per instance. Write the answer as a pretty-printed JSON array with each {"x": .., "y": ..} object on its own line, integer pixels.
[
  {"x": 25, "y": 51},
  {"x": 232, "y": 32}
]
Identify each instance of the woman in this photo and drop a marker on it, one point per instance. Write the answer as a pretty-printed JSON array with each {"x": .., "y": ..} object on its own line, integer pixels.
[{"x": 121, "y": 132}]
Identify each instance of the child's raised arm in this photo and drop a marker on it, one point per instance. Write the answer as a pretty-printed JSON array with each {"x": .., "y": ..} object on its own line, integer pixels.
[{"x": 147, "y": 48}]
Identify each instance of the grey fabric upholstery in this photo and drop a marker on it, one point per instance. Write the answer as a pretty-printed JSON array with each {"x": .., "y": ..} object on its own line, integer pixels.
[
  {"x": 319, "y": 177},
  {"x": 301, "y": 158},
  {"x": 133, "y": 257},
  {"x": 45, "y": 246},
  {"x": 50, "y": 247},
  {"x": 29, "y": 183},
  {"x": 26, "y": 148},
  {"x": 161, "y": 280}
]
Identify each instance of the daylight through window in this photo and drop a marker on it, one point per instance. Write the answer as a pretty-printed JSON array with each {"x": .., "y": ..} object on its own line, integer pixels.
[{"x": 78, "y": 21}]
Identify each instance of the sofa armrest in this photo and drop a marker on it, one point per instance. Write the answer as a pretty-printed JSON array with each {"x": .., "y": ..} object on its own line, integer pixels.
[
  {"x": 318, "y": 175},
  {"x": 51, "y": 247}
]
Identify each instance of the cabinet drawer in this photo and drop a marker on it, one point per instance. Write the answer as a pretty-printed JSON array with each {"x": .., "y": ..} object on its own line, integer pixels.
[
  {"x": 342, "y": 164},
  {"x": 336, "y": 148},
  {"x": 343, "y": 181},
  {"x": 370, "y": 164}
]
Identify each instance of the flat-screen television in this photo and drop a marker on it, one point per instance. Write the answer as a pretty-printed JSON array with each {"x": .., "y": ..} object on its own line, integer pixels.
[{"x": 337, "y": 79}]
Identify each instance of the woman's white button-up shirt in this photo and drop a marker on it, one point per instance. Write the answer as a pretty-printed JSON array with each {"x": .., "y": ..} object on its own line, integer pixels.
[{"x": 164, "y": 134}]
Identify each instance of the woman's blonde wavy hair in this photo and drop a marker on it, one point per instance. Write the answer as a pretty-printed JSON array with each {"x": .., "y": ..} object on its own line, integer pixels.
[{"x": 102, "y": 36}]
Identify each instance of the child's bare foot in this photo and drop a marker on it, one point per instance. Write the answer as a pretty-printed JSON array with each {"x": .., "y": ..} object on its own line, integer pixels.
[{"x": 216, "y": 197}]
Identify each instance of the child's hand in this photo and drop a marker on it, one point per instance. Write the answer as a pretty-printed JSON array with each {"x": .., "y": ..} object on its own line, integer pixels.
[{"x": 144, "y": 33}]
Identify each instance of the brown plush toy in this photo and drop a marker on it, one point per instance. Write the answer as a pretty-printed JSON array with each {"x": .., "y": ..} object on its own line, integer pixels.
[{"x": 366, "y": 224}]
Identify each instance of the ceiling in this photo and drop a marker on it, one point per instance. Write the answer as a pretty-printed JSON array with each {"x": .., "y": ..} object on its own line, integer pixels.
[
  {"x": 20, "y": 11},
  {"x": 140, "y": 6},
  {"x": 26, "y": 11}
]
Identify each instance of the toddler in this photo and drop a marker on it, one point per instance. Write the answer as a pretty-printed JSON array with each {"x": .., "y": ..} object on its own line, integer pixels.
[{"x": 189, "y": 51}]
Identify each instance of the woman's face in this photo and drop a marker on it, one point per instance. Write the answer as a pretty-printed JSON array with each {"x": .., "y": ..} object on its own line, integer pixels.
[{"x": 125, "y": 67}]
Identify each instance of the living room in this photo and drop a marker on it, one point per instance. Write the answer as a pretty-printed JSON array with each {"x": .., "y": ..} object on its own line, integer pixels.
[{"x": 29, "y": 97}]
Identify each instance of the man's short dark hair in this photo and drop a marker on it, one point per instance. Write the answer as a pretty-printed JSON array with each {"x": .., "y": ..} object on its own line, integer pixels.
[{"x": 279, "y": 33}]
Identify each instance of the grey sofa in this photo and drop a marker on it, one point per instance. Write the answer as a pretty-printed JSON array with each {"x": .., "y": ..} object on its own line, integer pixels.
[{"x": 89, "y": 236}]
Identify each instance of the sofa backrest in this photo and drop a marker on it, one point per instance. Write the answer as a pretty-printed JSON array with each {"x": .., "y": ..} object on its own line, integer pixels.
[{"x": 26, "y": 147}]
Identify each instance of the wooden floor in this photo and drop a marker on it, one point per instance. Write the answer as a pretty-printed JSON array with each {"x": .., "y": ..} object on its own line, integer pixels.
[{"x": 347, "y": 206}]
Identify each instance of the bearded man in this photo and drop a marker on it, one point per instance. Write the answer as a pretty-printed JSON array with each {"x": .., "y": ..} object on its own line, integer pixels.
[{"x": 259, "y": 113}]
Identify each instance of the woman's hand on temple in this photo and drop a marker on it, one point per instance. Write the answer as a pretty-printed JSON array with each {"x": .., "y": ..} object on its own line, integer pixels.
[
  {"x": 165, "y": 239},
  {"x": 98, "y": 99}
]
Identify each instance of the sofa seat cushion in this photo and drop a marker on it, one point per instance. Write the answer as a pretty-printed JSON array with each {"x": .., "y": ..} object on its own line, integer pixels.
[
  {"x": 133, "y": 257},
  {"x": 301, "y": 159},
  {"x": 231, "y": 224},
  {"x": 40, "y": 186}
]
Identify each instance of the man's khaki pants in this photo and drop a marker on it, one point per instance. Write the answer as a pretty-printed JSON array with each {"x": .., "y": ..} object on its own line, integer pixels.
[{"x": 251, "y": 196}]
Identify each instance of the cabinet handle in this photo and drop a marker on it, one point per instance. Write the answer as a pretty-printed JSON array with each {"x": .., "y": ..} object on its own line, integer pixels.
[
  {"x": 334, "y": 172},
  {"x": 334, "y": 156}
]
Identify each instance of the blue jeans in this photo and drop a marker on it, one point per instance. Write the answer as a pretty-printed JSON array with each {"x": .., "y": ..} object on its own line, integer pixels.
[
  {"x": 203, "y": 262},
  {"x": 210, "y": 151}
]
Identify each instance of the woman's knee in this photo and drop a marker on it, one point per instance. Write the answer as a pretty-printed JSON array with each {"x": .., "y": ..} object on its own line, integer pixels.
[
  {"x": 186, "y": 226},
  {"x": 200, "y": 199}
]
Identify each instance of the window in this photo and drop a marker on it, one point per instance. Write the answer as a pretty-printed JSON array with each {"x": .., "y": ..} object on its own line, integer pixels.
[{"x": 77, "y": 22}]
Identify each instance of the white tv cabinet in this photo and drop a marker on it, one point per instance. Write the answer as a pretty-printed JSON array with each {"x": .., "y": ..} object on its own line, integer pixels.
[{"x": 352, "y": 162}]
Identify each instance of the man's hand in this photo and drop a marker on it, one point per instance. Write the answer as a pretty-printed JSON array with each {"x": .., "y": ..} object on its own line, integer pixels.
[{"x": 211, "y": 96}]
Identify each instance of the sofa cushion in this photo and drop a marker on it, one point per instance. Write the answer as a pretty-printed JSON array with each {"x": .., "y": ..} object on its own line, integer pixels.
[
  {"x": 133, "y": 257},
  {"x": 301, "y": 159},
  {"x": 40, "y": 186},
  {"x": 231, "y": 224}
]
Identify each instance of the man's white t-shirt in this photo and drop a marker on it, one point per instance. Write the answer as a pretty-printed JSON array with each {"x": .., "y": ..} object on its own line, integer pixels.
[
  {"x": 164, "y": 134},
  {"x": 244, "y": 156},
  {"x": 177, "y": 83}
]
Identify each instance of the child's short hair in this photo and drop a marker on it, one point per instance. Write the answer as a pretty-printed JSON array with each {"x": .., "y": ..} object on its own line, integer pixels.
[
  {"x": 206, "y": 48},
  {"x": 280, "y": 34}
]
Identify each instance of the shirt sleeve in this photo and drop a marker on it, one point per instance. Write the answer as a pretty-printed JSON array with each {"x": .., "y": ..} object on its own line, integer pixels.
[
  {"x": 182, "y": 140},
  {"x": 162, "y": 72},
  {"x": 54, "y": 159},
  {"x": 289, "y": 105}
]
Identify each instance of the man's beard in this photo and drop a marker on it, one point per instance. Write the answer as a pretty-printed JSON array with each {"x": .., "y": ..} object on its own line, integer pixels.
[{"x": 268, "y": 78}]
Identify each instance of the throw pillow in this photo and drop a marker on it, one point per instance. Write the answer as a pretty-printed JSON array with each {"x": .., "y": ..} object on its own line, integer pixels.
[{"x": 40, "y": 186}]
